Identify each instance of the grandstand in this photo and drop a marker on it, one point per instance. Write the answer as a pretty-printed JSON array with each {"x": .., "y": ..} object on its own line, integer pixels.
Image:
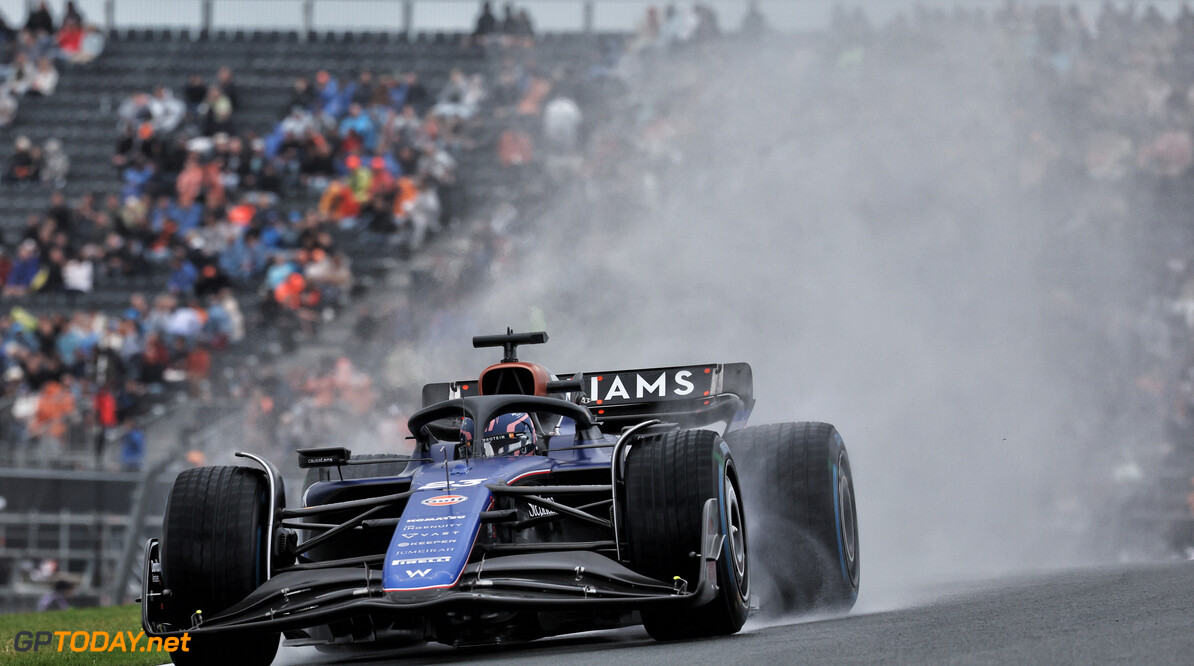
[
  {"x": 62, "y": 526},
  {"x": 84, "y": 111}
]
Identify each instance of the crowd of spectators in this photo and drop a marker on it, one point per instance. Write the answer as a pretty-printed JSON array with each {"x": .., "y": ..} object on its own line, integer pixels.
[
  {"x": 189, "y": 216},
  {"x": 78, "y": 380},
  {"x": 206, "y": 207},
  {"x": 29, "y": 163},
  {"x": 513, "y": 29},
  {"x": 678, "y": 25},
  {"x": 28, "y": 55},
  {"x": 299, "y": 273},
  {"x": 382, "y": 150}
]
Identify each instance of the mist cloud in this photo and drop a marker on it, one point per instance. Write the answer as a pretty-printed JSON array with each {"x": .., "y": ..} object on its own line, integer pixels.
[{"x": 860, "y": 227}]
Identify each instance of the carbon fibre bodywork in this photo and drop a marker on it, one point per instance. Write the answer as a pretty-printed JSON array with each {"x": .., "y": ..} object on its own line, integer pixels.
[{"x": 464, "y": 549}]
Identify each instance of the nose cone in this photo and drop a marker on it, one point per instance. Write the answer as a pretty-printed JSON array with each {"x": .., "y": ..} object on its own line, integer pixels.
[{"x": 433, "y": 540}]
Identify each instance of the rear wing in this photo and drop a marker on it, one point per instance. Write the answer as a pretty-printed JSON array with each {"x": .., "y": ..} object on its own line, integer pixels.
[{"x": 692, "y": 395}]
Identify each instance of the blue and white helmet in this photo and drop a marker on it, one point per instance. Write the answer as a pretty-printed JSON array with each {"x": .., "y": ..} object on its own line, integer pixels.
[{"x": 506, "y": 435}]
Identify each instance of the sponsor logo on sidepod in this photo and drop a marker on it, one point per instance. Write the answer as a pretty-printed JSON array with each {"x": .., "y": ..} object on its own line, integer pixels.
[{"x": 443, "y": 500}]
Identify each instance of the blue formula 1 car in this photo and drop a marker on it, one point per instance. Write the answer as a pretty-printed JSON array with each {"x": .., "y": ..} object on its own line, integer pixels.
[{"x": 531, "y": 506}]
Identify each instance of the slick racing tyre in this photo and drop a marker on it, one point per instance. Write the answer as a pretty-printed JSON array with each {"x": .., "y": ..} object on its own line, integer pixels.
[
  {"x": 797, "y": 481},
  {"x": 668, "y": 480},
  {"x": 369, "y": 471},
  {"x": 213, "y": 555}
]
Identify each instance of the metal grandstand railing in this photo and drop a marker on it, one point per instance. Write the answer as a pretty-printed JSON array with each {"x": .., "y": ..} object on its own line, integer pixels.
[
  {"x": 74, "y": 450},
  {"x": 77, "y": 448},
  {"x": 101, "y": 518}
]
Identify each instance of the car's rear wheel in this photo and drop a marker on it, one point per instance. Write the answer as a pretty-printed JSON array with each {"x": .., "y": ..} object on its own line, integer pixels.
[
  {"x": 803, "y": 515},
  {"x": 213, "y": 555},
  {"x": 668, "y": 480}
]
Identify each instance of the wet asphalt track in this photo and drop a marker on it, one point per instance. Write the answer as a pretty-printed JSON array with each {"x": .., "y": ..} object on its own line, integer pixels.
[{"x": 1141, "y": 614}]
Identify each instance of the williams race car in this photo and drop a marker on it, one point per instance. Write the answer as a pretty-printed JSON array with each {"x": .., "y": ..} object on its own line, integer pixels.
[{"x": 531, "y": 506}]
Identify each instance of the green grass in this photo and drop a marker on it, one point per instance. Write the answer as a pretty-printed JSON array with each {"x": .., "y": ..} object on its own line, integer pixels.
[{"x": 111, "y": 620}]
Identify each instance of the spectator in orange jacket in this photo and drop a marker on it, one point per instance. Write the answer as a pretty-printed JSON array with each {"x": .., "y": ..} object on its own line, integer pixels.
[
  {"x": 289, "y": 291},
  {"x": 104, "y": 405},
  {"x": 383, "y": 181},
  {"x": 198, "y": 368},
  {"x": 54, "y": 407},
  {"x": 338, "y": 203},
  {"x": 404, "y": 200}
]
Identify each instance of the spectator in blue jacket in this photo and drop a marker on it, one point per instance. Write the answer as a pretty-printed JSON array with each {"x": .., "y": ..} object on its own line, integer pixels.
[
  {"x": 24, "y": 269},
  {"x": 132, "y": 447},
  {"x": 234, "y": 260},
  {"x": 182, "y": 276},
  {"x": 361, "y": 124},
  {"x": 327, "y": 90}
]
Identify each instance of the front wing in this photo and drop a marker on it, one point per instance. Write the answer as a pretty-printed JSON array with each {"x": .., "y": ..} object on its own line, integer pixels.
[{"x": 553, "y": 580}]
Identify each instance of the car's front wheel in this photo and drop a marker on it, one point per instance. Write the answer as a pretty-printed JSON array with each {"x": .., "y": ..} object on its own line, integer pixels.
[
  {"x": 668, "y": 480},
  {"x": 213, "y": 555}
]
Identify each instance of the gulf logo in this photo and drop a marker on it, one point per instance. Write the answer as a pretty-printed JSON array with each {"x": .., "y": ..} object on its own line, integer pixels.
[{"x": 443, "y": 500}]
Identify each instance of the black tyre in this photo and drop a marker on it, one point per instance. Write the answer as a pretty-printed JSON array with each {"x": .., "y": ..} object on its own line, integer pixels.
[
  {"x": 796, "y": 479},
  {"x": 668, "y": 480},
  {"x": 369, "y": 471},
  {"x": 213, "y": 555}
]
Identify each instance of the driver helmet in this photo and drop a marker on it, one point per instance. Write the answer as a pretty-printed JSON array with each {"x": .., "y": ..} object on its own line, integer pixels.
[{"x": 507, "y": 435}]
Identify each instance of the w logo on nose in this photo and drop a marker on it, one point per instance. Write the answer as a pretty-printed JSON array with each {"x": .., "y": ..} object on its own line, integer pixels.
[{"x": 420, "y": 573}]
